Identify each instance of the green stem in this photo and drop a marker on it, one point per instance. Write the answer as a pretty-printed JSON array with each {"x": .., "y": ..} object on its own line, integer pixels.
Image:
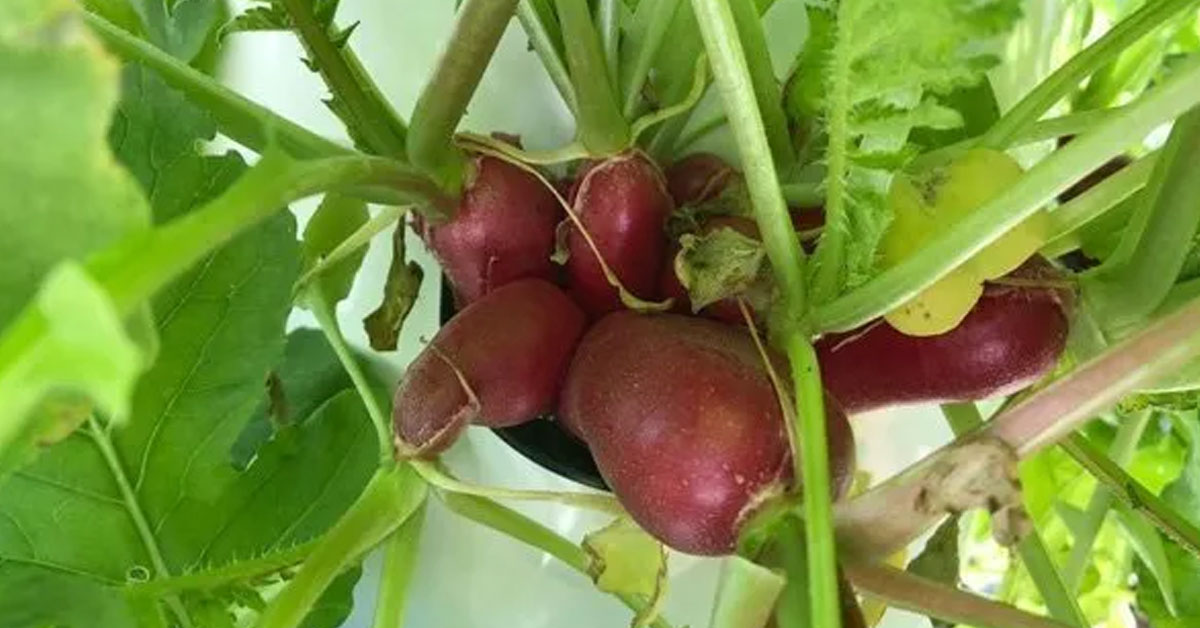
[
  {"x": 719, "y": 31},
  {"x": 372, "y": 120},
  {"x": 964, "y": 418},
  {"x": 1127, "y": 490},
  {"x": 509, "y": 522},
  {"x": 1121, "y": 452},
  {"x": 134, "y": 508},
  {"x": 443, "y": 101},
  {"x": 608, "y": 21},
  {"x": 746, "y": 594},
  {"x": 399, "y": 564},
  {"x": 247, "y": 123},
  {"x": 217, "y": 577},
  {"x": 1109, "y": 193},
  {"x": 831, "y": 248},
  {"x": 389, "y": 499},
  {"x": 327, "y": 319},
  {"x": 700, "y": 131},
  {"x": 1037, "y": 187},
  {"x": 651, "y": 21},
  {"x": 602, "y": 128},
  {"x": 546, "y": 40},
  {"x": 1134, "y": 281},
  {"x": 1067, "y": 78},
  {"x": 793, "y": 609},
  {"x": 601, "y": 502},
  {"x": 803, "y": 194},
  {"x": 672, "y": 71},
  {"x": 766, "y": 87},
  {"x": 900, "y": 589},
  {"x": 138, "y": 266}
]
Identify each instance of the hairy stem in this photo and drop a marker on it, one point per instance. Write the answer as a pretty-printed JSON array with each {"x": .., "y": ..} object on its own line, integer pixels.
[
  {"x": 443, "y": 101},
  {"x": 602, "y": 128},
  {"x": 1067, "y": 78},
  {"x": 245, "y": 122},
  {"x": 1027, "y": 195},
  {"x": 370, "y": 119},
  {"x": 1121, "y": 452},
  {"x": 831, "y": 247},
  {"x": 512, "y": 523},
  {"x": 389, "y": 499},
  {"x": 238, "y": 571}
]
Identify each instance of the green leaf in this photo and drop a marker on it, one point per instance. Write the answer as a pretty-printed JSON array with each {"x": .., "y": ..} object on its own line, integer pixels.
[
  {"x": 308, "y": 376},
  {"x": 400, "y": 291},
  {"x": 977, "y": 107},
  {"x": 746, "y": 594},
  {"x": 1150, "y": 550},
  {"x": 625, "y": 560},
  {"x": 336, "y": 603},
  {"x": 64, "y": 194},
  {"x": 182, "y": 27},
  {"x": 36, "y": 597},
  {"x": 268, "y": 17},
  {"x": 335, "y": 220},
  {"x": 719, "y": 265}
]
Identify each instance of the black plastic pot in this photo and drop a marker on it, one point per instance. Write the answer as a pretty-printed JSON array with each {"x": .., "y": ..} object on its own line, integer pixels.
[{"x": 542, "y": 440}]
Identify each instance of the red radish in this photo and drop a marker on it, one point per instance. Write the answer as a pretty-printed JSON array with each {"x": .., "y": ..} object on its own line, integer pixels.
[
  {"x": 685, "y": 425},
  {"x": 502, "y": 231},
  {"x": 698, "y": 177},
  {"x": 623, "y": 204},
  {"x": 511, "y": 348},
  {"x": 1010, "y": 339}
]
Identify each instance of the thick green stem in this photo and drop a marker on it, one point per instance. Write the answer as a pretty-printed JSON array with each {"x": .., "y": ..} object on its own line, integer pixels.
[
  {"x": 368, "y": 117},
  {"x": 1127, "y": 489},
  {"x": 443, "y": 101},
  {"x": 719, "y": 31},
  {"x": 1067, "y": 78},
  {"x": 1153, "y": 249},
  {"x": 544, "y": 36},
  {"x": 641, "y": 46},
  {"x": 964, "y": 418},
  {"x": 672, "y": 70},
  {"x": 512, "y": 523},
  {"x": 766, "y": 87},
  {"x": 247, "y": 123},
  {"x": 608, "y": 20},
  {"x": 1029, "y": 194},
  {"x": 602, "y": 128},
  {"x": 389, "y": 499},
  {"x": 1121, "y": 452},
  {"x": 323, "y": 311},
  {"x": 399, "y": 564}
]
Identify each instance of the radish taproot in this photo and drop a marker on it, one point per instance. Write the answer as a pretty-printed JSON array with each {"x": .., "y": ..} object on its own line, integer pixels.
[
  {"x": 503, "y": 230},
  {"x": 498, "y": 362},
  {"x": 1013, "y": 336},
  {"x": 623, "y": 205},
  {"x": 685, "y": 425},
  {"x": 698, "y": 177}
]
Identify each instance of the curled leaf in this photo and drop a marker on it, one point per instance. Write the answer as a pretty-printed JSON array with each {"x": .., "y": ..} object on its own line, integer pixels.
[
  {"x": 625, "y": 560},
  {"x": 399, "y": 294},
  {"x": 719, "y": 264}
]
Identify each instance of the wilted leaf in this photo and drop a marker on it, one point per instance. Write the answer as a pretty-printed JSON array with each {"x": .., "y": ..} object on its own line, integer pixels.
[
  {"x": 624, "y": 559},
  {"x": 399, "y": 294},
  {"x": 718, "y": 265}
]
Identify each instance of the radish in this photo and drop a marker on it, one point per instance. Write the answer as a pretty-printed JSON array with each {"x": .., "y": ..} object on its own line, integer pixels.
[
  {"x": 685, "y": 425},
  {"x": 498, "y": 362},
  {"x": 698, "y": 177},
  {"x": 623, "y": 204},
  {"x": 1012, "y": 337},
  {"x": 502, "y": 231}
]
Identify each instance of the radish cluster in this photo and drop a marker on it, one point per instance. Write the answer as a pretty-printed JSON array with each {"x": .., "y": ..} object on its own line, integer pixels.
[{"x": 678, "y": 409}]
